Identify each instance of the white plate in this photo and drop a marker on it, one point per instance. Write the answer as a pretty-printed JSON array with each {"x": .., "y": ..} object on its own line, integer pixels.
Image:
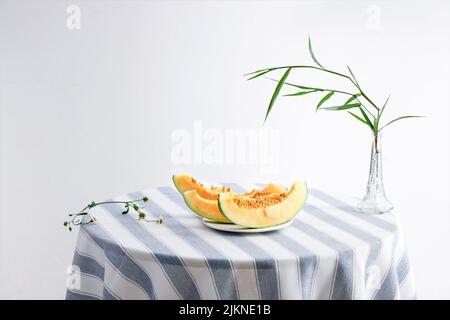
[{"x": 229, "y": 227}]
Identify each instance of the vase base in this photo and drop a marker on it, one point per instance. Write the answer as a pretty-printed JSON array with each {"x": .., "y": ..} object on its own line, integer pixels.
[{"x": 374, "y": 206}]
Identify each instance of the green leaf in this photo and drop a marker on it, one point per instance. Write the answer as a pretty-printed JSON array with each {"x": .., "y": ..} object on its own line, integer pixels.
[
  {"x": 384, "y": 106},
  {"x": 353, "y": 97},
  {"x": 343, "y": 107},
  {"x": 353, "y": 76},
  {"x": 126, "y": 211},
  {"x": 377, "y": 120},
  {"x": 296, "y": 85},
  {"x": 369, "y": 123},
  {"x": 259, "y": 74},
  {"x": 312, "y": 53},
  {"x": 277, "y": 92},
  {"x": 301, "y": 93},
  {"x": 258, "y": 71},
  {"x": 325, "y": 98},
  {"x": 399, "y": 118},
  {"x": 360, "y": 119}
]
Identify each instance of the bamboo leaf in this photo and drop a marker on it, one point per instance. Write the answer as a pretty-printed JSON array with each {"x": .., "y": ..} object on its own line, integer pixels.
[
  {"x": 259, "y": 74},
  {"x": 353, "y": 76},
  {"x": 301, "y": 93},
  {"x": 369, "y": 123},
  {"x": 360, "y": 119},
  {"x": 377, "y": 120},
  {"x": 343, "y": 107},
  {"x": 258, "y": 71},
  {"x": 399, "y": 118},
  {"x": 312, "y": 53},
  {"x": 277, "y": 92},
  {"x": 296, "y": 85},
  {"x": 325, "y": 98},
  {"x": 353, "y": 97},
  {"x": 384, "y": 106}
]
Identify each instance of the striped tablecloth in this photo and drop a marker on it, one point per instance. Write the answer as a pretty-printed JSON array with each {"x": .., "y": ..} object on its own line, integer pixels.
[{"x": 329, "y": 252}]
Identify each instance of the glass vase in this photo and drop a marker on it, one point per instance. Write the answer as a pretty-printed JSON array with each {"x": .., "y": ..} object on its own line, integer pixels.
[{"x": 375, "y": 200}]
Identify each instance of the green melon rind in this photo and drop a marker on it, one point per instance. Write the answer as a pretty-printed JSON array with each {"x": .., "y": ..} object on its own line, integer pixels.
[
  {"x": 257, "y": 227},
  {"x": 174, "y": 179},
  {"x": 199, "y": 213}
]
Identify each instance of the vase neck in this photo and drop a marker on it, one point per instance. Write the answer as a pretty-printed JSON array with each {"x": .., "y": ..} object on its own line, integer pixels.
[
  {"x": 375, "y": 174},
  {"x": 376, "y": 144}
]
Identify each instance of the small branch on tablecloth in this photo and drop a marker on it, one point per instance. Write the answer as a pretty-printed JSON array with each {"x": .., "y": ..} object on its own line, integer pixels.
[{"x": 76, "y": 219}]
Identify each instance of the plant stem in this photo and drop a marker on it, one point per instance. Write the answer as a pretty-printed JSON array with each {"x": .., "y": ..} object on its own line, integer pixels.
[
  {"x": 376, "y": 142},
  {"x": 368, "y": 99},
  {"x": 120, "y": 202},
  {"x": 77, "y": 218}
]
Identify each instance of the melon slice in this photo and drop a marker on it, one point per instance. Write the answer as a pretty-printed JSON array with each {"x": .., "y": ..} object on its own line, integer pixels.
[
  {"x": 264, "y": 210},
  {"x": 203, "y": 201},
  {"x": 185, "y": 183},
  {"x": 209, "y": 208},
  {"x": 203, "y": 207}
]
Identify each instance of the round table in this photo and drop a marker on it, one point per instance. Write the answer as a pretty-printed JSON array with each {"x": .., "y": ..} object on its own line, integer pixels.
[{"x": 328, "y": 252}]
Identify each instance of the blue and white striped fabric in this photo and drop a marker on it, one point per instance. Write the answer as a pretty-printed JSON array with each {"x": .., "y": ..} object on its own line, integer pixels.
[{"x": 329, "y": 252}]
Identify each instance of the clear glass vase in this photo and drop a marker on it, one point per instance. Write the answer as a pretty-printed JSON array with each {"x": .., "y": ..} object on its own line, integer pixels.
[{"x": 375, "y": 200}]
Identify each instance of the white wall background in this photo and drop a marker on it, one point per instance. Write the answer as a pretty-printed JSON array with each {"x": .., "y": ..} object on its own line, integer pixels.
[{"x": 88, "y": 114}]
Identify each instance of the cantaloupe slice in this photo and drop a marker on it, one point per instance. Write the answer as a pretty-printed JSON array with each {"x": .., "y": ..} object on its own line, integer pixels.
[
  {"x": 203, "y": 200},
  {"x": 209, "y": 208},
  {"x": 205, "y": 208},
  {"x": 266, "y": 210},
  {"x": 185, "y": 183}
]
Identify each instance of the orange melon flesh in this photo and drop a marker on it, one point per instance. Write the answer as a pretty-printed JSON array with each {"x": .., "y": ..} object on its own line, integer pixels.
[
  {"x": 270, "y": 188},
  {"x": 185, "y": 183},
  {"x": 266, "y": 210}
]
